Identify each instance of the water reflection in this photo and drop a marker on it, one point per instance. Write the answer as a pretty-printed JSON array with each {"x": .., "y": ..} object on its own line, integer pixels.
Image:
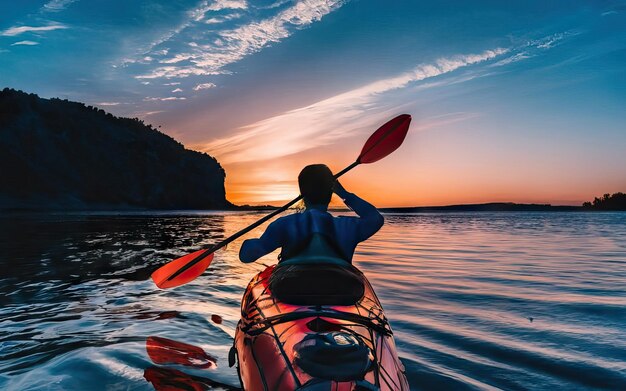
[
  {"x": 73, "y": 249},
  {"x": 76, "y": 305},
  {"x": 167, "y": 379},
  {"x": 167, "y": 351}
]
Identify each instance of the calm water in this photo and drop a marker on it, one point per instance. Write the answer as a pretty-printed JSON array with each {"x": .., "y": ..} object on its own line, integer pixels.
[{"x": 477, "y": 300}]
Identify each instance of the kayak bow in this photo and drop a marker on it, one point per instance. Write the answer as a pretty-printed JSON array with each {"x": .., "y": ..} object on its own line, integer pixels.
[{"x": 283, "y": 345}]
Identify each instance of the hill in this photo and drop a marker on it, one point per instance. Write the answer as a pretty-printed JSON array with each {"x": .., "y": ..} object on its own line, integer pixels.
[{"x": 57, "y": 154}]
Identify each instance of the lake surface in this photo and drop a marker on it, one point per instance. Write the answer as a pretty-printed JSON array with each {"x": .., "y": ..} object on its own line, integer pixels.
[{"x": 487, "y": 301}]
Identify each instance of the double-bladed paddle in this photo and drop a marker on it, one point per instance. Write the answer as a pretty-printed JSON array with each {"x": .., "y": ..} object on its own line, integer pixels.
[{"x": 383, "y": 142}]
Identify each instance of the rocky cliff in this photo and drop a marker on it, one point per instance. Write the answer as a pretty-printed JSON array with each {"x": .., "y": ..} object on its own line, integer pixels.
[{"x": 57, "y": 154}]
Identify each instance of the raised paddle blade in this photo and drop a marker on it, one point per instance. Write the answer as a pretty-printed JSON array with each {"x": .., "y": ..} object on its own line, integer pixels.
[
  {"x": 385, "y": 140},
  {"x": 380, "y": 144},
  {"x": 161, "y": 275}
]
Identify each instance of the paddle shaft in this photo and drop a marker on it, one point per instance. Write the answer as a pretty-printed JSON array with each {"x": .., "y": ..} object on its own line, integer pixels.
[{"x": 244, "y": 231}]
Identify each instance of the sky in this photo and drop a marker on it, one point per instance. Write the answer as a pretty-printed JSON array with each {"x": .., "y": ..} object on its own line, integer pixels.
[{"x": 520, "y": 101}]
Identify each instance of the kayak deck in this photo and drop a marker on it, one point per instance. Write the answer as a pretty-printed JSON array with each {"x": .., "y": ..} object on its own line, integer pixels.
[{"x": 272, "y": 354}]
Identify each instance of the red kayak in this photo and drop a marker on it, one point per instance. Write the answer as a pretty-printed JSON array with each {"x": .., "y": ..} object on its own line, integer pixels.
[{"x": 315, "y": 326}]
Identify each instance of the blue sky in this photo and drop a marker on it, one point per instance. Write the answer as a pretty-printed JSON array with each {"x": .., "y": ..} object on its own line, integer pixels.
[{"x": 520, "y": 101}]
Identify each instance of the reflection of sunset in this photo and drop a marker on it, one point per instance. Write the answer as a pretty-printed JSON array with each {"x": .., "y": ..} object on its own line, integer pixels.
[{"x": 460, "y": 286}]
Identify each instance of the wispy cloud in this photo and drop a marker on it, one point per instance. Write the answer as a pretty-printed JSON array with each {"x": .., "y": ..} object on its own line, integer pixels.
[
  {"x": 551, "y": 40},
  {"x": 275, "y": 4},
  {"x": 228, "y": 4},
  {"x": 331, "y": 119},
  {"x": 222, "y": 19},
  {"x": 203, "y": 86},
  {"x": 346, "y": 114},
  {"x": 26, "y": 43},
  {"x": 57, "y": 5},
  {"x": 511, "y": 59},
  {"x": 533, "y": 47},
  {"x": 194, "y": 15},
  {"x": 153, "y": 112},
  {"x": 229, "y": 46},
  {"x": 206, "y": 6},
  {"x": 169, "y": 98},
  {"x": 177, "y": 90},
  {"x": 17, "y": 30},
  {"x": 143, "y": 114}
]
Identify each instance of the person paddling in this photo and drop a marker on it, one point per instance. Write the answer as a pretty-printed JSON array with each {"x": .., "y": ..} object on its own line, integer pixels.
[
  {"x": 293, "y": 233},
  {"x": 380, "y": 144}
]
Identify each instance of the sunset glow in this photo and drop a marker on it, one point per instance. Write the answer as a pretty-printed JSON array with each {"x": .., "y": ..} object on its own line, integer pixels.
[{"x": 510, "y": 102}]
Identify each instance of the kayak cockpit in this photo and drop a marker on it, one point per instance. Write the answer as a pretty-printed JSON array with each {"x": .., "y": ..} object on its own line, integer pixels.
[
  {"x": 313, "y": 323},
  {"x": 317, "y": 275},
  {"x": 315, "y": 347},
  {"x": 317, "y": 282}
]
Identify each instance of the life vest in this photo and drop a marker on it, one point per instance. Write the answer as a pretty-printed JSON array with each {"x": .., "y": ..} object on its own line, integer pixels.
[
  {"x": 317, "y": 275},
  {"x": 318, "y": 248}
]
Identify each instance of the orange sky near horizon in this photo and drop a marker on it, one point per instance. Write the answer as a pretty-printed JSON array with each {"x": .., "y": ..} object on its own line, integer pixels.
[
  {"x": 436, "y": 165},
  {"x": 493, "y": 125},
  {"x": 403, "y": 194},
  {"x": 511, "y": 101}
]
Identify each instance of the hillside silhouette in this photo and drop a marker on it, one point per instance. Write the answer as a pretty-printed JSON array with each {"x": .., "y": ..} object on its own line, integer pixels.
[{"x": 57, "y": 154}]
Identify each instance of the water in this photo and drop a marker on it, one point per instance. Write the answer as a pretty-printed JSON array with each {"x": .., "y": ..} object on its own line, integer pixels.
[{"x": 477, "y": 300}]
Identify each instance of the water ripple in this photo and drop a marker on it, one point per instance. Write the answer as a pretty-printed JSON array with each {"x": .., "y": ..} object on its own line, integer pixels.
[{"x": 477, "y": 301}]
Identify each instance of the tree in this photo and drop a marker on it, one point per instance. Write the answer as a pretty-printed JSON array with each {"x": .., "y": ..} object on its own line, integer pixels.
[{"x": 615, "y": 201}]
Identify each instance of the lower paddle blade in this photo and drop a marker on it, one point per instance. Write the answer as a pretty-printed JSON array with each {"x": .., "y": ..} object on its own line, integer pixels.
[
  {"x": 167, "y": 379},
  {"x": 385, "y": 140},
  {"x": 167, "y": 351},
  {"x": 161, "y": 275}
]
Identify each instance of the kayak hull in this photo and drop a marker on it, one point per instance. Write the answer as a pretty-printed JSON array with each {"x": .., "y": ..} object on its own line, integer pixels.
[{"x": 281, "y": 346}]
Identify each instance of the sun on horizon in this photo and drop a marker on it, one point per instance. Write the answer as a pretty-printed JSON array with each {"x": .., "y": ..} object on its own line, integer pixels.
[{"x": 510, "y": 102}]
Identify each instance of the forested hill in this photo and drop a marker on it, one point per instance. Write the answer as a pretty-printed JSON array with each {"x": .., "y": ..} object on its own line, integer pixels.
[{"x": 56, "y": 154}]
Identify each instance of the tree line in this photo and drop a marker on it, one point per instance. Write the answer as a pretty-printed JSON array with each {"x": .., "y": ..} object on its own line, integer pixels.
[{"x": 615, "y": 201}]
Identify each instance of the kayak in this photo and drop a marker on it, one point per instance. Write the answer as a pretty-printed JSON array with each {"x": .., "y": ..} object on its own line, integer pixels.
[{"x": 315, "y": 326}]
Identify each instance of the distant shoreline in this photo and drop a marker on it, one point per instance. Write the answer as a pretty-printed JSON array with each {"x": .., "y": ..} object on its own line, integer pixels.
[{"x": 486, "y": 207}]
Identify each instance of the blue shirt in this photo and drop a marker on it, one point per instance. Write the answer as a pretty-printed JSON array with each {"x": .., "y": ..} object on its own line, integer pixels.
[{"x": 289, "y": 232}]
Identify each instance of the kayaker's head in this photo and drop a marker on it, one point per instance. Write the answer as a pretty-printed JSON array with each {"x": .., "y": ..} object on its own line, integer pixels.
[{"x": 316, "y": 185}]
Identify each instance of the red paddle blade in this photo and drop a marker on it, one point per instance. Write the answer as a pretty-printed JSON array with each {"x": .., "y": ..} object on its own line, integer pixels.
[
  {"x": 161, "y": 275},
  {"x": 385, "y": 140},
  {"x": 167, "y": 379},
  {"x": 167, "y": 351}
]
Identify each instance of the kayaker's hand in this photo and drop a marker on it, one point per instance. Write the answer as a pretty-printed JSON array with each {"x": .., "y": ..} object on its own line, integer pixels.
[{"x": 340, "y": 190}]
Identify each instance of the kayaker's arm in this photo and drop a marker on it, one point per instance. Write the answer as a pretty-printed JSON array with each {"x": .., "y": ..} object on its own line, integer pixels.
[
  {"x": 253, "y": 249},
  {"x": 370, "y": 219}
]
